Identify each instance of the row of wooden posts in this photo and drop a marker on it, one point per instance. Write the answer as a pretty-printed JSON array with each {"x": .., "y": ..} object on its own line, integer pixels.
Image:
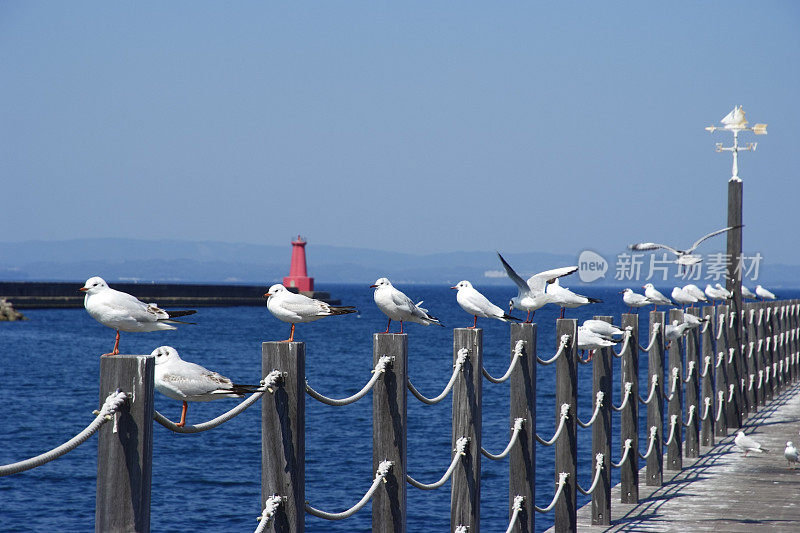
[{"x": 725, "y": 372}]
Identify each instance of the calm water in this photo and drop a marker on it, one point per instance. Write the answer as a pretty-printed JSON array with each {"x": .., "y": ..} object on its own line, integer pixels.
[{"x": 49, "y": 368}]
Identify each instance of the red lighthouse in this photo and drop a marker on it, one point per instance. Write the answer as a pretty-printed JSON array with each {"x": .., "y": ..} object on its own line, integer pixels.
[{"x": 298, "y": 276}]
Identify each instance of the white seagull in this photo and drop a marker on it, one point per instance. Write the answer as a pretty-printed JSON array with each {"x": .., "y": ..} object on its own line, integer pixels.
[
  {"x": 763, "y": 293},
  {"x": 682, "y": 297},
  {"x": 563, "y": 297},
  {"x": 746, "y": 444},
  {"x": 692, "y": 320},
  {"x": 655, "y": 297},
  {"x": 601, "y": 327},
  {"x": 123, "y": 312},
  {"x": 190, "y": 382},
  {"x": 589, "y": 340},
  {"x": 298, "y": 308},
  {"x": 725, "y": 292},
  {"x": 714, "y": 293},
  {"x": 634, "y": 300},
  {"x": 684, "y": 257},
  {"x": 477, "y": 305},
  {"x": 675, "y": 331},
  {"x": 399, "y": 307},
  {"x": 531, "y": 294},
  {"x": 747, "y": 293},
  {"x": 695, "y": 291},
  {"x": 790, "y": 453}
]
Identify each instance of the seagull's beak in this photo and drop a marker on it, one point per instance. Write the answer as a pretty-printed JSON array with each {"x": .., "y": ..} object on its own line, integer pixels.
[
  {"x": 83, "y": 289},
  {"x": 372, "y": 286},
  {"x": 267, "y": 295},
  {"x": 453, "y": 287}
]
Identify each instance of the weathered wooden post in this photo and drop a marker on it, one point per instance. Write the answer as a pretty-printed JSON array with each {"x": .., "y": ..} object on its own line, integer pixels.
[
  {"x": 721, "y": 373},
  {"x": 283, "y": 439},
  {"x": 674, "y": 386},
  {"x": 125, "y": 447},
  {"x": 707, "y": 338},
  {"x": 389, "y": 432},
  {"x": 692, "y": 445},
  {"x": 655, "y": 409},
  {"x": 465, "y": 494},
  {"x": 629, "y": 417},
  {"x": 602, "y": 378},
  {"x": 522, "y": 459},
  {"x": 566, "y": 446}
]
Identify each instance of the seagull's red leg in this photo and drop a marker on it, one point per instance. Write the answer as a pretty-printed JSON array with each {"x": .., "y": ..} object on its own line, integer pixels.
[
  {"x": 528, "y": 318},
  {"x": 183, "y": 415},
  {"x": 474, "y": 323},
  {"x": 387, "y": 326},
  {"x": 115, "y": 351},
  {"x": 291, "y": 335},
  {"x": 562, "y": 313},
  {"x": 401, "y": 326}
]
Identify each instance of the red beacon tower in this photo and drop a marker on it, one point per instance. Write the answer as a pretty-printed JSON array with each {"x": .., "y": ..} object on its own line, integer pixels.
[{"x": 298, "y": 276}]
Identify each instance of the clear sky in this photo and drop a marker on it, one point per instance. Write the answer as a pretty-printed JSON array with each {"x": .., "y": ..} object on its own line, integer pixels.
[{"x": 410, "y": 126}]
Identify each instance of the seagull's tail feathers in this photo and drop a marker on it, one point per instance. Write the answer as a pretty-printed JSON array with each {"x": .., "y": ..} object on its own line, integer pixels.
[
  {"x": 509, "y": 318},
  {"x": 237, "y": 390},
  {"x": 186, "y": 312},
  {"x": 173, "y": 321},
  {"x": 429, "y": 319},
  {"x": 594, "y": 300},
  {"x": 343, "y": 310}
]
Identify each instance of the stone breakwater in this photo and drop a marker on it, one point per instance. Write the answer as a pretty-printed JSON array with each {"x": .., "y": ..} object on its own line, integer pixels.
[{"x": 8, "y": 313}]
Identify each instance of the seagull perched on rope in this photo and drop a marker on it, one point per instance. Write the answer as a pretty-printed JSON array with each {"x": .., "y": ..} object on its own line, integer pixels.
[
  {"x": 563, "y": 297},
  {"x": 190, "y": 382},
  {"x": 683, "y": 257},
  {"x": 124, "y": 312},
  {"x": 746, "y": 444},
  {"x": 399, "y": 307},
  {"x": 655, "y": 297},
  {"x": 531, "y": 294},
  {"x": 298, "y": 308},
  {"x": 763, "y": 293},
  {"x": 477, "y": 305},
  {"x": 634, "y": 300}
]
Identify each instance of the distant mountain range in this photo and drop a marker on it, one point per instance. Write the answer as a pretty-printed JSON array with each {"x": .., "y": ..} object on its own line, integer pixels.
[{"x": 220, "y": 262}]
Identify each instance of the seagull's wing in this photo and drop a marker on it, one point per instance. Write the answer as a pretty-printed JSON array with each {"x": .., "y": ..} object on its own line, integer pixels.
[
  {"x": 538, "y": 282},
  {"x": 652, "y": 246},
  {"x": 520, "y": 283},
  {"x": 404, "y": 302},
  {"x": 303, "y": 305},
  {"x": 704, "y": 237},
  {"x": 748, "y": 443}
]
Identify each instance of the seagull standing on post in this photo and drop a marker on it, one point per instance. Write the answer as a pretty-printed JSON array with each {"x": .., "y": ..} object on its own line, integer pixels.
[
  {"x": 695, "y": 291},
  {"x": 299, "y": 308},
  {"x": 563, "y": 297},
  {"x": 682, "y": 297},
  {"x": 531, "y": 294},
  {"x": 399, "y": 307},
  {"x": 763, "y": 293},
  {"x": 477, "y": 305},
  {"x": 634, "y": 300},
  {"x": 655, "y": 297}
]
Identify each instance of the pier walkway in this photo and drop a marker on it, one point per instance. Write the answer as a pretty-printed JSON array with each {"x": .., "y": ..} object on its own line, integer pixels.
[{"x": 723, "y": 490}]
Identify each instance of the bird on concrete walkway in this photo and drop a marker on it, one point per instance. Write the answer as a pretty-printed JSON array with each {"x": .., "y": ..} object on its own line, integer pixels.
[{"x": 746, "y": 444}]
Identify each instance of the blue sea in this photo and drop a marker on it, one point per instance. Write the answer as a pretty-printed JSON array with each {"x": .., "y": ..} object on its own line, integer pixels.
[{"x": 49, "y": 368}]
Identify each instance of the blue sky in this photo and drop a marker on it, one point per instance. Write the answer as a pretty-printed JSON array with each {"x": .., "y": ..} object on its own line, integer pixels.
[{"x": 414, "y": 126}]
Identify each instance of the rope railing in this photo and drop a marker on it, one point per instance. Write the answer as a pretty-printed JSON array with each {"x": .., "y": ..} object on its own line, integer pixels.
[
  {"x": 731, "y": 352},
  {"x": 106, "y": 413},
  {"x": 598, "y": 405},
  {"x": 562, "y": 480},
  {"x": 721, "y": 326},
  {"x": 561, "y": 346},
  {"x": 690, "y": 417},
  {"x": 706, "y": 325},
  {"x": 628, "y": 392},
  {"x": 766, "y": 374},
  {"x": 653, "y": 385},
  {"x": 673, "y": 423},
  {"x": 689, "y": 370},
  {"x": 626, "y": 337},
  {"x": 652, "y": 444},
  {"x": 653, "y": 338},
  {"x": 732, "y": 319},
  {"x": 760, "y": 316},
  {"x": 377, "y": 372},
  {"x": 760, "y": 379},
  {"x": 626, "y": 451},
  {"x": 502, "y": 455},
  {"x": 380, "y": 475},
  {"x": 517, "y": 508},
  {"x": 561, "y": 423},
  {"x": 720, "y": 404},
  {"x": 674, "y": 386},
  {"x": 598, "y": 468},
  {"x": 270, "y": 508},
  {"x": 731, "y": 388},
  {"x": 518, "y": 353},
  {"x": 461, "y": 446},
  {"x": 720, "y": 359},
  {"x": 706, "y": 365},
  {"x": 707, "y": 402},
  {"x": 267, "y": 384},
  {"x": 752, "y": 380},
  {"x": 461, "y": 357}
]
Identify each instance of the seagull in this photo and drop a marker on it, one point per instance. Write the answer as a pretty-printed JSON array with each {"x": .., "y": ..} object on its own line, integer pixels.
[
  {"x": 190, "y": 382},
  {"x": 725, "y": 292},
  {"x": 790, "y": 453},
  {"x": 714, "y": 293},
  {"x": 476, "y": 304},
  {"x": 693, "y": 321},
  {"x": 298, "y": 308},
  {"x": 399, "y": 307},
  {"x": 563, "y": 297},
  {"x": 532, "y": 294},
  {"x": 655, "y": 297},
  {"x": 123, "y": 312},
  {"x": 764, "y": 293},
  {"x": 747, "y": 293},
  {"x": 634, "y": 300},
  {"x": 683, "y": 297},
  {"x": 675, "y": 331},
  {"x": 746, "y": 444},
  {"x": 601, "y": 327},
  {"x": 589, "y": 340},
  {"x": 695, "y": 291},
  {"x": 684, "y": 257}
]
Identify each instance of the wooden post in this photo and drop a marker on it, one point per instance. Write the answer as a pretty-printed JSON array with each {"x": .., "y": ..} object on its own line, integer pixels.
[
  {"x": 283, "y": 438},
  {"x": 465, "y": 494},
  {"x": 389, "y": 431},
  {"x": 522, "y": 459},
  {"x": 692, "y": 445},
  {"x": 733, "y": 283},
  {"x": 602, "y": 377},
  {"x": 758, "y": 328},
  {"x": 566, "y": 510},
  {"x": 655, "y": 409},
  {"x": 675, "y": 398},
  {"x": 736, "y": 364},
  {"x": 721, "y": 373},
  {"x": 774, "y": 348},
  {"x": 629, "y": 417},
  {"x": 707, "y": 338},
  {"x": 125, "y": 446},
  {"x": 751, "y": 355}
]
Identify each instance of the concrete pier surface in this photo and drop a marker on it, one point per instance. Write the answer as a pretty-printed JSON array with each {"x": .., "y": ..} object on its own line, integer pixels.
[{"x": 723, "y": 490}]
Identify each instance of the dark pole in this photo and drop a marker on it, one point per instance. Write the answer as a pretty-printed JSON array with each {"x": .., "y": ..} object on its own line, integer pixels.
[{"x": 522, "y": 460}]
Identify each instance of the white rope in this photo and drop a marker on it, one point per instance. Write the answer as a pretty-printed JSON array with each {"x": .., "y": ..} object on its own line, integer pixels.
[
  {"x": 625, "y": 342},
  {"x": 730, "y": 392},
  {"x": 752, "y": 380},
  {"x": 653, "y": 386},
  {"x": 518, "y": 353},
  {"x": 732, "y": 352},
  {"x": 760, "y": 379},
  {"x": 720, "y": 358},
  {"x": 720, "y": 404},
  {"x": 598, "y": 405},
  {"x": 674, "y": 385},
  {"x": 653, "y": 337},
  {"x": 561, "y": 346},
  {"x": 707, "y": 364},
  {"x": 766, "y": 375},
  {"x": 270, "y": 508},
  {"x": 760, "y": 315},
  {"x": 380, "y": 475},
  {"x": 106, "y": 413},
  {"x": 517, "y": 428},
  {"x": 562, "y": 480},
  {"x": 690, "y": 415},
  {"x": 720, "y": 328},
  {"x": 752, "y": 315},
  {"x": 377, "y": 372},
  {"x": 628, "y": 393},
  {"x": 752, "y": 346},
  {"x": 733, "y": 318},
  {"x": 626, "y": 451},
  {"x": 460, "y": 358},
  {"x": 561, "y": 424},
  {"x": 598, "y": 467},
  {"x": 706, "y": 325},
  {"x": 267, "y": 384},
  {"x": 651, "y": 446},
  {"x": 707, "y": 402},
  {"x": 461, "y": 529},
  {"x": 760, "y": 344},
  {"x": 673, "y": 422},
  {"x": 517, "y": 508},
  {"x": 461, "y": 445},
  {"x": 689, "y": 371}
]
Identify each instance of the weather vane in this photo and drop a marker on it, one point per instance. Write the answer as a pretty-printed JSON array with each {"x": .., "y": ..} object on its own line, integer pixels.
[{"x": 735, "y": 122}]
